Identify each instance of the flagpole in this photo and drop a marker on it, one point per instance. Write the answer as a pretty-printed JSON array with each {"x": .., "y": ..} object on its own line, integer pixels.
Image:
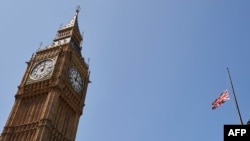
[{"x": 235, "y": 100}]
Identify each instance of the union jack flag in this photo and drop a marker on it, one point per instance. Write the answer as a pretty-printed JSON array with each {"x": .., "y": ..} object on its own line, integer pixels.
[{"x": 220, "y": 100}]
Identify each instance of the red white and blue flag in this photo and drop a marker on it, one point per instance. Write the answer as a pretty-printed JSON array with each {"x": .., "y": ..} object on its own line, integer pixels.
[{"x": 224, "y": 96}]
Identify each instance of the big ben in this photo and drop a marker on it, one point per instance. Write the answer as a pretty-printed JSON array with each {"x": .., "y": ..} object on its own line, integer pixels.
[{"x": 51, "y": 96}]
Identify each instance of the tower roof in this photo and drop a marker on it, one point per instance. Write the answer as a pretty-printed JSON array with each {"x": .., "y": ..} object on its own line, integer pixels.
[
  {"x": 68, "y": 34},
  {"x": 71, "y": 32},
  {"x": 73, "y": 22}
]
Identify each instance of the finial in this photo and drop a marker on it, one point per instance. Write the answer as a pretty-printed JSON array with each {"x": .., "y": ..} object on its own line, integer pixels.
[
  {"x": 40, "y": 46},
  {"x": 82, "y": 34},
  {"x": 78, "y": 9},
  {"x": 88, "y": 60},
  {"x": 41, "y": 43},
  {"x": 61, "y": 25}
]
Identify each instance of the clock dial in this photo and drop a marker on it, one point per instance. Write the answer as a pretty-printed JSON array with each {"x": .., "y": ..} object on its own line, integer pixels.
[
  {"x": 42, "y": 69},
  {"x": 75, "y": 79}
]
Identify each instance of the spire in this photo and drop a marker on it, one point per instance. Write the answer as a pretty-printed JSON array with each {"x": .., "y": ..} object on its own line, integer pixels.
[
  {"x": 73, "y": 22},
  {"x": 70, "y": 32}
]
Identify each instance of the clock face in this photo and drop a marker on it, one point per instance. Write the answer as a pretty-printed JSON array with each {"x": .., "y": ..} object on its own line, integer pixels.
[
  {"x": 42, "y": 69},
  {"x": 75, "y": 79}
]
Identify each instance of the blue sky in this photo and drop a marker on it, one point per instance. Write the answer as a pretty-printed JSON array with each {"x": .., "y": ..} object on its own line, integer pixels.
[{"x": 156, "y": 65}]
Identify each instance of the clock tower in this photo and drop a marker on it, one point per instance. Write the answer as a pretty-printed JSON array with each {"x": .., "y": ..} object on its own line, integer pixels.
[{"x": 50, "y": 98}]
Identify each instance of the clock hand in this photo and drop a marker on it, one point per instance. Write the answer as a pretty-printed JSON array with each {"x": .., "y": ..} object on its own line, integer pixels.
[
  {"x": 43, "y": 67},
  {"x": 75, "y": 78}
]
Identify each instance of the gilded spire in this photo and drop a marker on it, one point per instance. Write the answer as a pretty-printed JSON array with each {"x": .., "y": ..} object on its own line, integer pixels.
[
  {"x": 73, "y": 22},
  {"x": 71, "y": 28},
  {"x": 68, "y": 34}
]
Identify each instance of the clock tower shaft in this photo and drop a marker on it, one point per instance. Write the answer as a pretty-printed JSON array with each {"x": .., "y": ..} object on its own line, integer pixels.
[{"x": 51, "y": 95}]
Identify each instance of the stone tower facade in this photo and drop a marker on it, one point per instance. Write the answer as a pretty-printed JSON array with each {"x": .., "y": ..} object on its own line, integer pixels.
[{"x": 51, "y": 95}]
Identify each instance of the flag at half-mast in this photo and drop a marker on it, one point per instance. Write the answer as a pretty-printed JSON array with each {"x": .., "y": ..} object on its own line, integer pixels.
[{"x": 224, "y": 96}]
